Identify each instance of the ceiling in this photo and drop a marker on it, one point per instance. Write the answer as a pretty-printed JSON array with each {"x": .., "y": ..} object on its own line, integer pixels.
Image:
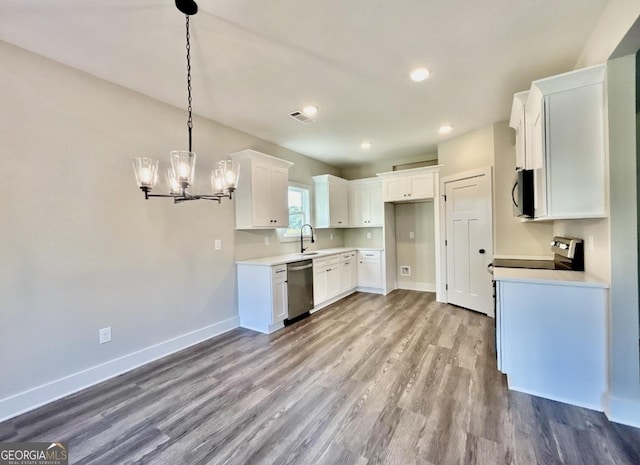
[{"x": 254, "y": 62}]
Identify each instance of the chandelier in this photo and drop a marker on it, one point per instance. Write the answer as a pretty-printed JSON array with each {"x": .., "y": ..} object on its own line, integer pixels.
[{"x": 180, "y": 174}]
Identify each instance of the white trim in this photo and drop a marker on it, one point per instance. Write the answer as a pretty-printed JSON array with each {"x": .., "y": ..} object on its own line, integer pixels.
[
  {"x": 625, "y": 411},
  {"x": 40, "y": 395},
  {"x": 414, "y": 286},
  {"x": 595, "y": 405},
  {"x": 372, "y": 290}
]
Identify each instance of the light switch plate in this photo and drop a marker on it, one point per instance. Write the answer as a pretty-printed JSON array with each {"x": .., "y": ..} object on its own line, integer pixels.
[
  {"x": 218, "y": 244},
  {"x": 368, "y": 235},
  {"x": 266, "y": 240},
  {"x": 412, "y": 235},
  {"x": 105, "y": 335}
]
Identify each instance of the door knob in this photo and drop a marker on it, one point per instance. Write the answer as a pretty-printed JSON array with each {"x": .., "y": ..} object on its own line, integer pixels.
[{"x": 481, "y": 251}]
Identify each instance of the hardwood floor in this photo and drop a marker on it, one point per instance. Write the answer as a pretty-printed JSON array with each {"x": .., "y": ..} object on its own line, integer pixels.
[{"x": 370, "y": 380}]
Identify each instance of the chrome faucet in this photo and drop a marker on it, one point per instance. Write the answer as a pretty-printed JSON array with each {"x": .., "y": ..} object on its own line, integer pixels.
[{"x": 302, "y": 247}]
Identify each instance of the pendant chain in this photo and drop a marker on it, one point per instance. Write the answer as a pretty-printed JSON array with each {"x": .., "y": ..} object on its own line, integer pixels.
[{"x": 190, "y": 120}]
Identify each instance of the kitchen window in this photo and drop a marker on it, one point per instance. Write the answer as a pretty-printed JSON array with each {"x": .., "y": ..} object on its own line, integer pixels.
[{"x": 299, "y": 210}]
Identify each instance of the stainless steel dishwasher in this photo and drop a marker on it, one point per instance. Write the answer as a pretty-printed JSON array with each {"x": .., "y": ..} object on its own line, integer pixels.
[{"x": 299, "y": 290}]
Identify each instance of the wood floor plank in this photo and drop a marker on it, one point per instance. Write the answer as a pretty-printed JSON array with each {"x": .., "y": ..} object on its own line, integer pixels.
[{"x": 397, "y": 379}]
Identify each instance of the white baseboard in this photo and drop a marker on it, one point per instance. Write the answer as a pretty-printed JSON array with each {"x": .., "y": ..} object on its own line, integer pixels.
[
  {"x": 414, "y": 286},
  {"x": 371, "y": 290},
  {"x": 54, "y": 390},
  {"x": 619, "y": 410},
  {"x": 590, "y": 403}
]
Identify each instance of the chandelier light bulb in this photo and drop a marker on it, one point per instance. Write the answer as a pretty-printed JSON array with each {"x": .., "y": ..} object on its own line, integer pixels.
[
  {"x": 145, "y": 176},
  {"x": 184, "y": 170}
]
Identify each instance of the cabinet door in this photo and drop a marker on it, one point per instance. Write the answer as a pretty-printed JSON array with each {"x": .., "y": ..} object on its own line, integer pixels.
[
  {"x": 575, "y": 150},
  {"x": 376, "y": 205},
  {"x": 261, "y": 193},
  {"x": 320, "y": 289},
  {"x": 338, "y": 204},
  {"x": 358, "y": 205},
  {"x": 280, "y": 307},
  {"x": 395, "y": 189},
  {"x": 279, "y": 201},
  {"x": 421, "y": 186},
  {"x": 333, "y": 280},
  {"x": 369, "y": 272},
  {"x": 521, "y": 145},
  {"x": 345, "y": 276}
]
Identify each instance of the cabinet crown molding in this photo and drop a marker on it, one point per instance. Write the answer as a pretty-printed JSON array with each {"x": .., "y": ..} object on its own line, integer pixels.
[{"x": 411, "y": 171}]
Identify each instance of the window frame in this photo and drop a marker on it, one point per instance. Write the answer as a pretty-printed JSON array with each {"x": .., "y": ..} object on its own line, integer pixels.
[{"x": 282, "y": 232}]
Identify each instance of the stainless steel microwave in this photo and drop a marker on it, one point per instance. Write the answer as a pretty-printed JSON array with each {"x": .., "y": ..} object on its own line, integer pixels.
[{"x": 522, "y": 194}]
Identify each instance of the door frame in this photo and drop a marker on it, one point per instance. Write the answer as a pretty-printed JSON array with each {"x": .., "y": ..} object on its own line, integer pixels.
[{"x": 441, "y": 292}]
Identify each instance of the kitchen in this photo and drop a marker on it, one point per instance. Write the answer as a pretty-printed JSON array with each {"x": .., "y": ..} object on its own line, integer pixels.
[{"x": 169, "y": 251}]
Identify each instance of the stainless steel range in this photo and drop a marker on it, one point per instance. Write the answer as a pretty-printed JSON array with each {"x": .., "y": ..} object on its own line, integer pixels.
[{"x": 568, "y": 255}]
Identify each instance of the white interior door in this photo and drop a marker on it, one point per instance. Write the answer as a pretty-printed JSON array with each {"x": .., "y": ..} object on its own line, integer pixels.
[{"x": 469, "y": 242}]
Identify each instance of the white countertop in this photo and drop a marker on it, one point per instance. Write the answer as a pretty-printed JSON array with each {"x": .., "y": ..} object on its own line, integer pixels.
[
  {"x": 294, "y": 257},
  {"x": 556, "y": 277}
]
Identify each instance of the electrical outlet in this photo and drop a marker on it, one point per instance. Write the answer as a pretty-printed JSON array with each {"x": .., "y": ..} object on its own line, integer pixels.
[
  {"x": 331, "y": 236},
  {"x": 218, "y": 244},
  {"x": 105, "y": 335},
  {"x": 590, "y": 243},
  {"x": 412, "y": 235},
  {"x": 405, "y": 270},
  {"x": 266, "y": 240},
  {"x": 368, "y": 235}
]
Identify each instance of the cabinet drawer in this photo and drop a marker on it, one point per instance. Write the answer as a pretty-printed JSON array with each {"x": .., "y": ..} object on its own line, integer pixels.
[
  {"x": 279, "y": 271},
  {"x": 320, "y": 263},
  {"x": 333, "y": 259},
  {"x": 369, "y": 255}
]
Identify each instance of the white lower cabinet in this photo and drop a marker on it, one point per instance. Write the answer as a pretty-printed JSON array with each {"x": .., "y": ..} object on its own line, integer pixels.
[
  {"x": 348, "y": 272},
  {"x": 369, "y": 269},
  {"x": 334, "y": 277},
  {"x": 551, "y": 340},
  {"x": 262, "y": 297}
]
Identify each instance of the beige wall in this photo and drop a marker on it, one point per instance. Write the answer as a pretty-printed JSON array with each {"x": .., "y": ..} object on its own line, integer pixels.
[
  {"x": 512, "y": 236},
  {"x": 81, "y": 248},
  {"x": 466, "y": 152},
  {"x": 357, "y": 237},
  {"x": 417, "y": 252},
  {"x": 494, "y": 146},
  {"x": 614, "y": 22}
]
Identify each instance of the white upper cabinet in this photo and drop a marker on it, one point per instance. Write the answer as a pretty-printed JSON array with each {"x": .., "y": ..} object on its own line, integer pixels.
[
  {"x": 409, "y": 185},
  {"x": 565, "y": 122},
  {"x": 261, "y": 197},
  {"x": 517, "y": 122},
  {"x": 365, "y": 202},
  {"x": 331, "y": 195}
]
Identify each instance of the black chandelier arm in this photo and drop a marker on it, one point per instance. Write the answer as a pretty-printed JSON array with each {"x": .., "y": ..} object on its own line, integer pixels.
[{"x": 185, "y": 196}]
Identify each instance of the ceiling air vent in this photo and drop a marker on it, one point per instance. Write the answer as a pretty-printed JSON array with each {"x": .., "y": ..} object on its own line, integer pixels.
[{"x": 301, "y": 117}]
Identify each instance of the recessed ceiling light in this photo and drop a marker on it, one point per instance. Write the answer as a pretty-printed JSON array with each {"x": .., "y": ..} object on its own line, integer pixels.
[
  {"x": 445, "y": 129},
  {"x": 419, "y": 74},
  {"x": 310, "y": 110},
  {"x": 365, "y": 145}
]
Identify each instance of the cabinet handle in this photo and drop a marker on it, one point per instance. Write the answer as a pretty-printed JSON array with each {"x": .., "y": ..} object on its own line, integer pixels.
[
  {"x": 280, "y": 271},
  {"x": 328, "y": 269},
  {"x": 482, "y": 251}
]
